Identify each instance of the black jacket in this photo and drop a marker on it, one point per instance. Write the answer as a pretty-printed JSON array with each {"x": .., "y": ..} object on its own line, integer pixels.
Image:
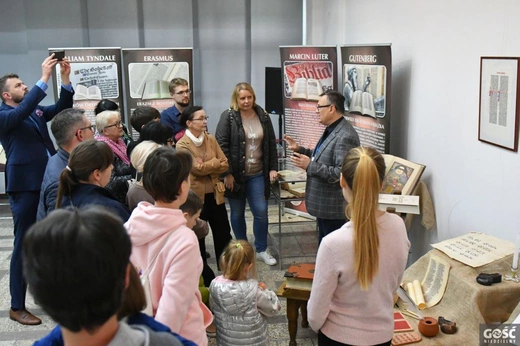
[{"x": 232, "y": 139}]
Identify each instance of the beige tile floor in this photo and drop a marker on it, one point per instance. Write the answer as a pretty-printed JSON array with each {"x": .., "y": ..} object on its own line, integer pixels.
[{"x": 297, "y": 240}]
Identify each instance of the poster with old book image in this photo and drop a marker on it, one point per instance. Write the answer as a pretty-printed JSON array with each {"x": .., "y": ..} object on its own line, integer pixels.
[
  {"x": 95, "y": 75},
  {"x": 366, "y": 79},
  {"x": 308, "y": 71},
  {"x": 148, "y": 73}
]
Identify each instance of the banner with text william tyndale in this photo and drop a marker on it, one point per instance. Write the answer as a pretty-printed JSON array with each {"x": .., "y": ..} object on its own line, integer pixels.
[
  {"x": 366, "y": 80},
  {"x": 148, "y": 73},
  {"x": 95, "y": 75},
  {"x": 307, "y": 71}
]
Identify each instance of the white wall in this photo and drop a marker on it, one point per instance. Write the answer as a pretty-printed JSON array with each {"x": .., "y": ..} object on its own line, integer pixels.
[{"x": 436, "y": 48}]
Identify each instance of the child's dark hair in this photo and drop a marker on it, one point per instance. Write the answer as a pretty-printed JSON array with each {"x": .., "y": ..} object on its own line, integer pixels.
[
  {"x": 106, "y": 105},
  {"x": 193, "y": 204},
  {"x": 237, "y": 255},
  {"x": 164, "y": 172},
  {"x": 84, "y": 159},
  {"x": 157, "y": 132},
  {"x": 75, "y": 262},
  {"x": 142, "y": 116}
]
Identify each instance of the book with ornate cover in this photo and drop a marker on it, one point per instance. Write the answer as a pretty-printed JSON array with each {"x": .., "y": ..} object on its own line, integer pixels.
[
  {"x": 299, "y": 276},
  {"x": 401, "y": 176}
]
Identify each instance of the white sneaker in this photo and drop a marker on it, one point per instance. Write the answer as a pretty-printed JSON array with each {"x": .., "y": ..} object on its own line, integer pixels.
[{"x": 266, "y": 257}]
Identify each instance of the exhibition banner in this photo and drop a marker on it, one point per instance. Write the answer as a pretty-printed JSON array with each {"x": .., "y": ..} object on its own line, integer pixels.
[
  {"x": 366, "y": 80},
  {"x": 148, "y": 73},
  {"x": 307, "y": 72},
  {"x": 95, "y": 75}
]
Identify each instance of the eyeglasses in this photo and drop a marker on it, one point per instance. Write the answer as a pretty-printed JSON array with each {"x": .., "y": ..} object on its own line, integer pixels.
[
  {"x": 91, "y": 127},
  {"x": 118, "y": 124},
  {"x": 322, "y": 106},
  {"x": 184, "y": 92},
  {"x": 201, "y": 119}
]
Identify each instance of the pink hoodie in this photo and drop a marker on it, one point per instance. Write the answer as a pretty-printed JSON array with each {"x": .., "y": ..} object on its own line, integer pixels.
[{"x": 174, "y": 279}]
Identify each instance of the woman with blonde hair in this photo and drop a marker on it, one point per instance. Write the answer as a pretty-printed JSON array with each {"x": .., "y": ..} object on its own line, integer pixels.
[
  {"x": 110, "y": 131},
  {"x": 359, "y": 266},
  {"x": 246, "y": 135},
  {"x": 136, "y": 192}
]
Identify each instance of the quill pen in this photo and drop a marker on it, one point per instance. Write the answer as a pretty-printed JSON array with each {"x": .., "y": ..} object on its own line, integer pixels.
[{"x": 406, "y": 298}]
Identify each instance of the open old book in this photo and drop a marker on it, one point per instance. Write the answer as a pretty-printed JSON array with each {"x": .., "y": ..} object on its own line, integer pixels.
[
  {"x": 402, "y": 176},
  {"x": 158, "y": 74},
  {"x": 83, "y": 93},
  {"x": 158, "y": 89},
  {"x": 362, "y": 103},
  {"x": 306, "y": 89}
]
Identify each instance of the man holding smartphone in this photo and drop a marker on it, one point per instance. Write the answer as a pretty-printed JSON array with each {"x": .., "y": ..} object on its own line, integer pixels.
[{"x": 28, "y": 146}]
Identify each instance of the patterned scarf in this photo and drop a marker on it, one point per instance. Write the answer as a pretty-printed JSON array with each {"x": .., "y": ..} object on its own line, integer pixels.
[{"x": 119, "y": 147}]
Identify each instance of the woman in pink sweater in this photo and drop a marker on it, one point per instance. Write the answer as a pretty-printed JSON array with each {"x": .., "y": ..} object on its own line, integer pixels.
[
  {"x": 360, "y": 265},
  {"x": 161, "y": 229}
]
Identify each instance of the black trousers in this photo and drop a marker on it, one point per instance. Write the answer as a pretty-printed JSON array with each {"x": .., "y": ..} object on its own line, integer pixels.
[
  {"x": 217, "y": 217},
  {"x": 324, "y": 340}
]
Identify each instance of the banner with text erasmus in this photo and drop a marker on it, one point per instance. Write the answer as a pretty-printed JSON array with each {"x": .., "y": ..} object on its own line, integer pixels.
[
  {"x": 148, "y": 73},
  {"x": 366, "y": 80},
  {"x": 95, "y": 75}
]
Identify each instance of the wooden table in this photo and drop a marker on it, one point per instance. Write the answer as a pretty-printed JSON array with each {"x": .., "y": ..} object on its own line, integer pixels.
[{"x": 296, "y": 300}]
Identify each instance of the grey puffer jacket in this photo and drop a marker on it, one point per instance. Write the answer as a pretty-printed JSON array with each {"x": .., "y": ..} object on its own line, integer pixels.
[{"x": 239, "y": 308}]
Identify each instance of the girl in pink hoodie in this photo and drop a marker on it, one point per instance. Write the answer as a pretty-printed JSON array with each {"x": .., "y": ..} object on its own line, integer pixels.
[{"x": 161, "y": 229}]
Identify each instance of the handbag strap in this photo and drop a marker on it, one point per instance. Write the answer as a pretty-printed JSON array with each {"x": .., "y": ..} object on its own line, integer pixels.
[{"x": 150, "y": 266}]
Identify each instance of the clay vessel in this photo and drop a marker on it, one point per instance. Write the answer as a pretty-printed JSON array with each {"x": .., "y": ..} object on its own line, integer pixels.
[{"x": 428, "y": 326}]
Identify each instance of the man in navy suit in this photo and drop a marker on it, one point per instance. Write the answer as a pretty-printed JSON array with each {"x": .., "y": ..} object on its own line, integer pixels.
[{"x": 28, "y": 146}]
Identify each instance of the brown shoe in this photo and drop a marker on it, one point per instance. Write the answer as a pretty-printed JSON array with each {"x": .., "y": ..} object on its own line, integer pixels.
[{"x": 24, "y": 317}]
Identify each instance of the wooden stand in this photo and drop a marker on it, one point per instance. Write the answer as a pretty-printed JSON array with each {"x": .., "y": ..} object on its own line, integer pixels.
[{"x": 296, "y": 300}]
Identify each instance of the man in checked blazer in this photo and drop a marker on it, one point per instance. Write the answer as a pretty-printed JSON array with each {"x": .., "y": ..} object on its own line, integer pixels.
[
  {"x": 323, "y": 195},
  {"x": 28, "y": 146}
]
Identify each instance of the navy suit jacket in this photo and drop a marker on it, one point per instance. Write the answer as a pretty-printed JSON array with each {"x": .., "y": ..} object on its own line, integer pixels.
[{"x": 25, "y": 138}]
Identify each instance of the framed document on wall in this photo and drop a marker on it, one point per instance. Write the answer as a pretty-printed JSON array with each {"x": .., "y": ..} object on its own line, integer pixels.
[{"x": 499, "y": 96}]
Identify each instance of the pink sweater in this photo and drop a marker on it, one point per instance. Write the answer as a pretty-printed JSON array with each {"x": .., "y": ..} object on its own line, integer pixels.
[
  {"x": 174, "y": 278},
  {"x": 337, "y": 304}
]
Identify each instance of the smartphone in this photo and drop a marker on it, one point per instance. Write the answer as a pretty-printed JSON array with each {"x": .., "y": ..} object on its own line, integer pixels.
[{"x": 58, "y": 54}]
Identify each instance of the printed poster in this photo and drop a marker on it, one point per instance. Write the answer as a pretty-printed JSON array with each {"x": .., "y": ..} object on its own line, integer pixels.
[
  {"x": 308, "y": 71},
  {"x": 366, "y": 79},
  {"x": 95, "y": 75},
  {"x": 148, "y": 73}
]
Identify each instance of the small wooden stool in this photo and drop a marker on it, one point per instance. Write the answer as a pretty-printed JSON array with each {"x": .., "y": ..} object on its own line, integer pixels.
[{"x": 296, "y": 300}]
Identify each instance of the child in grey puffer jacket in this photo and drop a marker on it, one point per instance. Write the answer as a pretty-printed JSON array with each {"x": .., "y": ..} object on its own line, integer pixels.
[{"x": 240, "y": 303}]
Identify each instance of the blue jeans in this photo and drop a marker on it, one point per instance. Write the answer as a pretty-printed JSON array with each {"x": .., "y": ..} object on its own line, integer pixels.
[{"x": 254, "y": 187}]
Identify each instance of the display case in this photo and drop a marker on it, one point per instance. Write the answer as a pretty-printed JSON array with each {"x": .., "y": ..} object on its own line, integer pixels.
[{"x": 290, "y": 187}]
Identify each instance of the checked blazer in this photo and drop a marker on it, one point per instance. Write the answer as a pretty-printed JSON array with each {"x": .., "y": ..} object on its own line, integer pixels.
[{"x": 323, "y": 195}]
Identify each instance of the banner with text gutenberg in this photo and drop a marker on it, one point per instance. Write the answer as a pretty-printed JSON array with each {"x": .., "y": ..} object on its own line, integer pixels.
[
  {"x": 148, "y": 73},
  {"x": 366, "y": 80},
  {"x": 95, "y": 75},
  {"x": 307, "y": 72}
]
